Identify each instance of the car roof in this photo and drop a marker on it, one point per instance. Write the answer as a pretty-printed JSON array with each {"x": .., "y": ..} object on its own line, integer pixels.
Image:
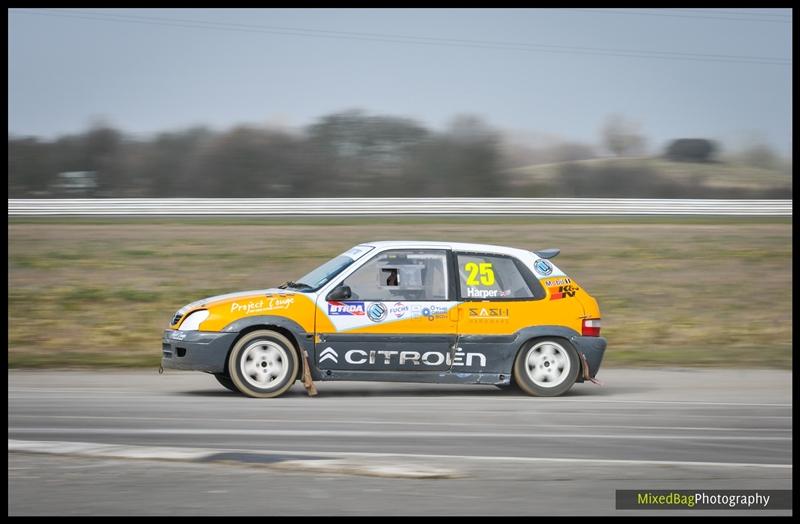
[{"x": 455, "y": 246}]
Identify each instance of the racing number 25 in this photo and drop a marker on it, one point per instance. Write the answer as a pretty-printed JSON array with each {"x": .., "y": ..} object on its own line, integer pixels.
[{"x": 484, "y": 270}]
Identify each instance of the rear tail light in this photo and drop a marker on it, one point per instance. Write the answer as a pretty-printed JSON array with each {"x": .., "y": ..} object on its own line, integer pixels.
[{"x": 591, "y": 327}]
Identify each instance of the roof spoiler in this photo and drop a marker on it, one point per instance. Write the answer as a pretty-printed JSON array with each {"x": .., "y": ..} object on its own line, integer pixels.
[{"x": 547, "y": 253}]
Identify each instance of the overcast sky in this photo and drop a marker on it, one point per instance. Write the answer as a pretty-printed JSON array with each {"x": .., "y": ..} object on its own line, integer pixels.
[{"x": 555, "y": 71}]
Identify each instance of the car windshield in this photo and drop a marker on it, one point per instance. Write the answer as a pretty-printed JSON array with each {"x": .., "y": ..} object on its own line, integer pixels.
[{"x": 324, "y": 273}]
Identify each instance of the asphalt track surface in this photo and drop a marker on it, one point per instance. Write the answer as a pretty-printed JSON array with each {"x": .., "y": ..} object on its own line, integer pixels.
[{"x": 500, "y": 452}]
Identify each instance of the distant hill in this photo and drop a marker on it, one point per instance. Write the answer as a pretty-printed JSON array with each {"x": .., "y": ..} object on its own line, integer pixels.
[{"x": 711, "y": 180}]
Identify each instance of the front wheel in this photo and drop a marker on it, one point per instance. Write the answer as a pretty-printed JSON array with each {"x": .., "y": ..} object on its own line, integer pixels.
[
  {"x": 546, "y": 367},
  {"x": 263, "y": 364}
]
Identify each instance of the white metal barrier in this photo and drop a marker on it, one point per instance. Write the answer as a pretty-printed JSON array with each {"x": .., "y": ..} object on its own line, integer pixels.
[{"x": 391, "y": 206}]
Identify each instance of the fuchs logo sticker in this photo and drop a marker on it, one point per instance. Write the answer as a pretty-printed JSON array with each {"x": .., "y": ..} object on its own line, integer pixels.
[
  {"x": 543, "y": 267},
  {"x": 346, "y": 308},
  {"x": 377, "y": 312},
  {"x": 398, "y": 310}
]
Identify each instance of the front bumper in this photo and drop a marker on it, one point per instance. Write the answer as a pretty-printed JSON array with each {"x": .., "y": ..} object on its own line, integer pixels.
[
  {"x": 196, "y": 350},
  {"x": 593, "y": 348}
]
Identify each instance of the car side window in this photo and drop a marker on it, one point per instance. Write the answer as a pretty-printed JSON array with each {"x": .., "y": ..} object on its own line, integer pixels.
[
  {"x": 401, "y": 274},
  {"x": 490, "y": 277}
]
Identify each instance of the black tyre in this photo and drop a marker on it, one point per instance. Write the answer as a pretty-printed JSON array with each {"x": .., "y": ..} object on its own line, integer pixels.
[
  {"x": 546, "y": 367},
  {"x": 226, "y": 381},
  {"x": 263, "y": 364}
]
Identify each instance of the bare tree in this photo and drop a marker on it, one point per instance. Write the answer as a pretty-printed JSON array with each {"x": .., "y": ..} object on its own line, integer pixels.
[{"x": 622, "y": 137}]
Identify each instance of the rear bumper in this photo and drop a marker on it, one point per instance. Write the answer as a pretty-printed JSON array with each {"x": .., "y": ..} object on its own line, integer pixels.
[
  {"x": 593, "y": 348},
  {"x": 195, "y": 350}
]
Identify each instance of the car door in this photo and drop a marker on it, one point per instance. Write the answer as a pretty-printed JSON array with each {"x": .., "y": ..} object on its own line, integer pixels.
[
  {"x": 400, "y": 316},
  {"x": 499, "y": 296}
]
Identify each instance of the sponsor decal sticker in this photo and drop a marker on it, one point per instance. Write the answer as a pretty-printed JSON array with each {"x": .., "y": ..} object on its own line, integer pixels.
[
  {"x": 399, "y": 310},
  {"x": 356, "y": 252},
  {"x": 431, "y": 312},
  {"x": 558, "y": 282},
  {"x": 488, "y": 315},
  {"x": 488, "y": 312},
  {"x": 359, "y": 357},
  {"x": 543, "y": 267},
  {"x": 269, "y": 303},
  {"x": 377, "y": 312},
  {"x": 564, "y": 292},
  {"x": 346, "y": 308},
  {"x": 483, "y": 293},
  {"x": 479, "y": 274},
  {"x": 329, "y": 354}
]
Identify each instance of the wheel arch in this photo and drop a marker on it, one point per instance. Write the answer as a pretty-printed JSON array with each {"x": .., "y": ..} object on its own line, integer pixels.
[
  {"x": 286, "y": 327},
  {"x": 529, "y": 335},
  {"x": 561, "y": 335}
]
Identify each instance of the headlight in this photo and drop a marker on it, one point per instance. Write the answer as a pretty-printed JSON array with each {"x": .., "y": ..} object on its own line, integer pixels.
[
  {"x": 192, "y": 322},
  {"x": 177, "y": 316}
]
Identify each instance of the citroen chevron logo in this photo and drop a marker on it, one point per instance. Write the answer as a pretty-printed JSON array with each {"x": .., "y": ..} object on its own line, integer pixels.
[{"x": 328, "y": 353}]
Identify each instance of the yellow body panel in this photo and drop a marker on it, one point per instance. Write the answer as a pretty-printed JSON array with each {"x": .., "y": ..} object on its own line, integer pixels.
[
  {"x": 566, "y": 304},
  {"x": 294, "y": 306}
]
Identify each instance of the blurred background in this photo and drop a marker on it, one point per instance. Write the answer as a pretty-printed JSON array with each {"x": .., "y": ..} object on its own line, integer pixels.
[{"x": 670, "y": 103}]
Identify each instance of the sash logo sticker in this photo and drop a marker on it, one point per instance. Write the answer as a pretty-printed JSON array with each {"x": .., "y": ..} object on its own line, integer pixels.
[{"x": 488, "y": 312}]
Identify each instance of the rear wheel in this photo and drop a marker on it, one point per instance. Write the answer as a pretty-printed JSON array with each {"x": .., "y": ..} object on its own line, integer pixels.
[
  {"x": 263, "y": 364},
  {"x": 226, "y": 381},
  {"x": 546, "y": 367}
]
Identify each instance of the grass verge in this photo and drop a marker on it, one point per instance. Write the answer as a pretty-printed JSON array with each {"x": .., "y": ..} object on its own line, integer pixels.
[{"x": 687, "y": 292}]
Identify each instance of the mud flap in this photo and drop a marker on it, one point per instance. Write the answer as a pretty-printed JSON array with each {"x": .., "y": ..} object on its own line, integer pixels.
[
  {"x": 586, "y": 376},
  {"x": 308, "y": 383}
]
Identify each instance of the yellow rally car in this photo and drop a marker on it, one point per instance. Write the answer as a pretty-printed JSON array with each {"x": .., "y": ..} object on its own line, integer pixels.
[{"x": 399, "y": 311}]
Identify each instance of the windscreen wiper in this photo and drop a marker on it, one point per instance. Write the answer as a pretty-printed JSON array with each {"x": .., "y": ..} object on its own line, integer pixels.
[{"x": 295, "y": 285}]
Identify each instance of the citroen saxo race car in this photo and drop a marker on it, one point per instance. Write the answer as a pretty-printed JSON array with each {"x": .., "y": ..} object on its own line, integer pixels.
[{"x": 399, "y": 311}]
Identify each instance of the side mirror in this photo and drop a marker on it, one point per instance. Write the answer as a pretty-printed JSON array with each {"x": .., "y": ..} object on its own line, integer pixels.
[{"x": 340, "y": 293}]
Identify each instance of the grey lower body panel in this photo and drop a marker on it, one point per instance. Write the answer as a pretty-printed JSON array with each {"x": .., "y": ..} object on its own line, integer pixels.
[
  {"x": 593, "y": 348},
  {"x": 208, "y": 351},
  {"x": 196, "y": 350},
  {"x": 422, "y": 377},
  {"x": 501, "y": 352}
]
